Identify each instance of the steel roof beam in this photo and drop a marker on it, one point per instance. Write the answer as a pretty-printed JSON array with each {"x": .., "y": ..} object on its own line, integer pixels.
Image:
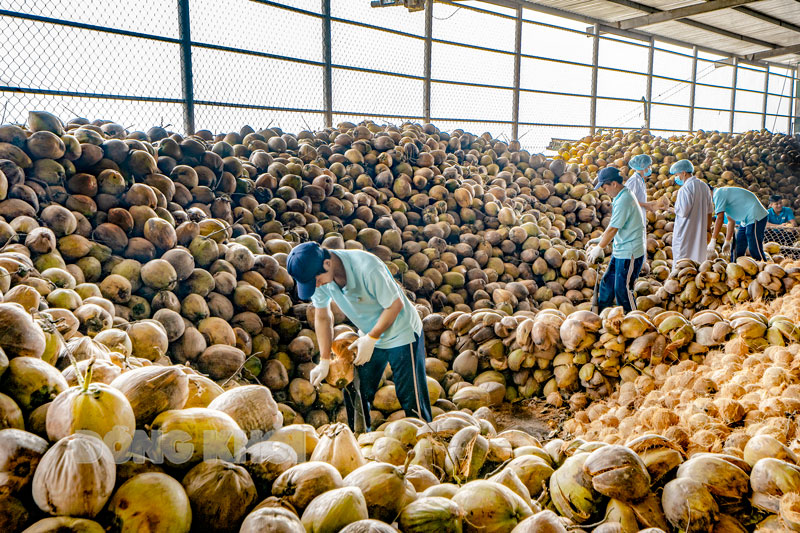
[
  {"x": 695, "y": 24},
  {"x": 679, "y": 13},
  {"x": 794, "y": 49}
]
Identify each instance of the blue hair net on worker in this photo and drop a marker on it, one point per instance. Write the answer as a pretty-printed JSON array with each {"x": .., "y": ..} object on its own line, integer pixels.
[
  {"x": 684, "y": 165},
  {"x": 640, "y": 162}
]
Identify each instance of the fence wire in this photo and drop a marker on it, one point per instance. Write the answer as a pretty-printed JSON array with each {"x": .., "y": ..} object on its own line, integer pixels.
[{"x": 263, "y": 63}]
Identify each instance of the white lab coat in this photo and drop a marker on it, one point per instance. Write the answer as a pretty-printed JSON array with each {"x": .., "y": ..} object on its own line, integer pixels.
[
  {"x": 692, "y": 208},
  {"x": 637, "y": 186}
]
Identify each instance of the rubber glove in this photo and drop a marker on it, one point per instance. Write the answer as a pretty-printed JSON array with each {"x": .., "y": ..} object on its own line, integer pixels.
[
  {"x": 593, "y": 242},
  {"x": 712, "y": 247},
  {"x": 320, "y": 372},
  {"x": 595, "y": 254},
  {"x": 364, "y": 347},
  {"x": 726, "y": 249}
]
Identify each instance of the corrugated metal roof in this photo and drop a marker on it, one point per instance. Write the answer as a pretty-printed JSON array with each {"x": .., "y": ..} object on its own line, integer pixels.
[{"x": 741, "y": 30}]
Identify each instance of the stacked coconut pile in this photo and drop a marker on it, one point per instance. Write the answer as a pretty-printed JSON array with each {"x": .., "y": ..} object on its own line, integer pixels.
[{"x": 144, "y": 290}]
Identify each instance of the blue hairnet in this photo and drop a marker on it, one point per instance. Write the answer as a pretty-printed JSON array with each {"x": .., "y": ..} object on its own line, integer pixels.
[
  {"x": 640, "y": 162},
  {"x": 684, "y": 165}
]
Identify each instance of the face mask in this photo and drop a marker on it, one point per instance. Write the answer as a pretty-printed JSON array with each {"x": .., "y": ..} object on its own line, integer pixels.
[
  {"x": 678, "y": 180},
  {"x": 648, "y": 172}
]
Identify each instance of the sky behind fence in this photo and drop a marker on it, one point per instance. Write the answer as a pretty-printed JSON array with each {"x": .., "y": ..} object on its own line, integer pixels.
[{"x": 262, "y": 63}]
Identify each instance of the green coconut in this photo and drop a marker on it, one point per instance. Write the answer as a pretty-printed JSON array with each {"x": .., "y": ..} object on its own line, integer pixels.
[
  {"x": 31, "y": 382},
  {"x": 431, "y": 514},
  {"x": 205, "y": 433},
  {"x": 95, "y": 407},
  {"x": 300, "y": 484},
  {"x": 331, "y": 511},
  {"x": 132, "y": 507},
  {"x": 490, "y": 507},
  {"x": 384, "y": 487}
]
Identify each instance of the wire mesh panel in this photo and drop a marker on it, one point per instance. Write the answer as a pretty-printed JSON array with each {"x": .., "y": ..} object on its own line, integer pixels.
[
  {"x": 60, "y": 56},
  {"x": 259, "y": 71},
  {"x": 264, "y": 63}
]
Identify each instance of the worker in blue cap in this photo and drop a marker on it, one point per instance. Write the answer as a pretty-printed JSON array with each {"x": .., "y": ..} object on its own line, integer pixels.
[
  {"x": 743, "y": 207},
  {"x": 390, "y": 330},
  {"x": 625, "y": 230},
  {"x": 693, "y": 214}
]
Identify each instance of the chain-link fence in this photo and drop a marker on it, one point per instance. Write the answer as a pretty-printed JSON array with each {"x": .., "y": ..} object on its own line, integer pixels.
[{"x": 305, "y": 64}]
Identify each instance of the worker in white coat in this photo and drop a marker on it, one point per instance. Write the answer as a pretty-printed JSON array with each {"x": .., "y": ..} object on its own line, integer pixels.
[
  {"x": 694, "y": 210},
  {"x": 642, "y": 164}
]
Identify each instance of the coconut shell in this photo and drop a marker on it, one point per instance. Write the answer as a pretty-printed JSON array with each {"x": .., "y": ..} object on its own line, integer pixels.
[
  {"x": 152, "y": 390},
  {"x": 77, "y": 462},
  {"x": 273, "y": 519},
  {"x": 252, "y": 407},
  {"x": 19, "y": 335},
  {"x": 302, "y": 483},
  {"x": 220, "y": 494}
]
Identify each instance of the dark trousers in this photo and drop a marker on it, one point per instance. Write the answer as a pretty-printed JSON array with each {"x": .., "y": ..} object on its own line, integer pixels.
[
  {"x": 751, "y": 238},
  {"x": 617, "y": 283},
  {"x": 408, "y": 376}
]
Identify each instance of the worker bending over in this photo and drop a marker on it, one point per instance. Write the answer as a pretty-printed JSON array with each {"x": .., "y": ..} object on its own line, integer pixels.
[
  {"x": 390, "y": 330},
  {"x": 694, "y": 210},
  {"x": 743, "y": 207},
  {"x": 625, "y": 229}
]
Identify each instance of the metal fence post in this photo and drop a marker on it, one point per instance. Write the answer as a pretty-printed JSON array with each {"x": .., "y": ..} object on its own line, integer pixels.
[
  {"x": 187, "y": 85},
  {"x": 517, "y": 71},
  {"x": 426, "y": 88},
  {"x": 733, "y": 92},
  {"x": 764, "y": 106},
  {"x": 693, "y": 89},
  {"x": 796, "y": 106},
  {"x": 327, "y": 74},
  {"x": 649, "y": 95},
  {"x": 595, "y": 56}
]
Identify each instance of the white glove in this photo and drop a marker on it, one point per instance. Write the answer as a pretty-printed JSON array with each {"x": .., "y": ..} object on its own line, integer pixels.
[
  {"x": 320, "y": 372},
  {"x": 712, "y": 247},
  {"x": 726, "y": 249},
  {"x": 593, "y": 242},
  {"x": 595, "y": 254},
  {"x": 364, "y": 345}
]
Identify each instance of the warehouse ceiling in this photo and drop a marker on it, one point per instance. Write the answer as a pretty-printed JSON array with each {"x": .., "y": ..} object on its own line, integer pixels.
[{"x": 756, "y": 31}]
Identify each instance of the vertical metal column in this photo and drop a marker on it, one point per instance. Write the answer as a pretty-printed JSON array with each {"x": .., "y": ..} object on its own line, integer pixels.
[
  {"x": 595, "y": 56},
  {"x": 764, "y": 106},
  {"x": 693, "y": 89},
  {"x": 649, "y": 94},
  {"x": 796, "y": 105},
  {"x": 426, "y": 88},
  {"x": 517, "y": 75},
  {"x": 327, "y": 73},
  {"x": 187, "y": 84},
  {"x": 733, "y": 91}
]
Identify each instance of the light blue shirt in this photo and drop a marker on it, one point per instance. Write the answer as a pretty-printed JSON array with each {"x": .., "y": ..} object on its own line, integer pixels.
[
  {"x": 739, "y": 204},
  {"x": 370, "y": 289},
  {"x": 627, "y": 218}
]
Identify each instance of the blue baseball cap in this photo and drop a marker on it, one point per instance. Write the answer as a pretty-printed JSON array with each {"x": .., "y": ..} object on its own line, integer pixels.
[
  {"x": 640, "y": 162},
  {"x": 304, "y": 264},
  {"x": 608, "y": 175},
  {"x": 684, "y": 165}
]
